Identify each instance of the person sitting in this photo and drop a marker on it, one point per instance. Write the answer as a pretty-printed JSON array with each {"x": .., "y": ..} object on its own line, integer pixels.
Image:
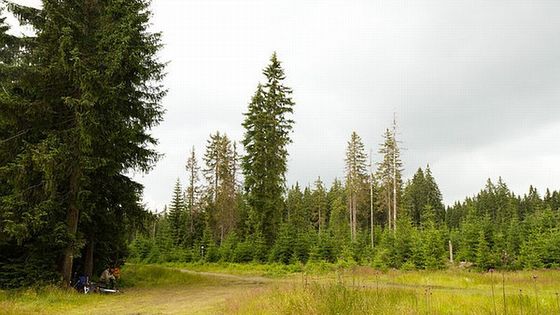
[
  {"x": 107, "y": 278},
  {"x": 116, "y": 272}
]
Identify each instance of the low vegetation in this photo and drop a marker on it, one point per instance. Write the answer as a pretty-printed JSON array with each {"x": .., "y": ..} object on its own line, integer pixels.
[
  {"x": 138, "y": 282},
  {"x": 298, "y": 289},
  {"x": 366, "y": 291},
  {"x": 147, "y": 276}
]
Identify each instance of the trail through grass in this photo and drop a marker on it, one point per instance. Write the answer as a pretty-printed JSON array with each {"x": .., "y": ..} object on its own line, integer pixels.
[
  {"x": 215, "y": 289},
  {"x": 156, "y": 290}
]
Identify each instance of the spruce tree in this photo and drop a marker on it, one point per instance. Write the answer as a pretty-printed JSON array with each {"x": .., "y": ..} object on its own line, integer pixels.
[
  {"x": 91, "y": 96},
  {"x": 434, "y": 197},
  {"x": 193, "y": 201},
  {"x": 356, "y": 179},
  {"x": 389, "y": 175},
  {"x": 338, "y": 215},
  {"x": 216, "y": 167},
  {"x": 483, "y": 260},
  {"x": 267, "y": 133},
  {"x": 176, "y": 214},
  {"x": 434, "y": 248},
  {"x": 415, "y": 197},
  {"x": 319, "y": 206},
  {"x": 296, "y": 211},
  {"x": 220, "y": 160}
]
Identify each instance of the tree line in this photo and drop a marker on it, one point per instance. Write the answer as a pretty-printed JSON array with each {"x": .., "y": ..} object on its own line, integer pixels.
[{"x": 370, "y": 216}]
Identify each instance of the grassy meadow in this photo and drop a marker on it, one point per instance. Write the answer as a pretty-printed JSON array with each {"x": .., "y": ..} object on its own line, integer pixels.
[
  {"x": 366, "y": 291},
  {"x": 299, "y": 289}
]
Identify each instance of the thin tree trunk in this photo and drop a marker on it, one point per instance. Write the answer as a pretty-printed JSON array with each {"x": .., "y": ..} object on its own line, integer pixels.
[
  {"x": 394, "y": 189},
  {"x": 88, "y": 263},
  {"x": 354, "y": 217},
  {"x": 394, "y": 172},
  {"x": 191, "y": 197},
  {"x": 371, "y": 209},
  {"x": 350, "y": 215},
  {"x": 320, "y": 220},
  {"x": 72, "y": 217},
  {"x": 389, "y": 210}
]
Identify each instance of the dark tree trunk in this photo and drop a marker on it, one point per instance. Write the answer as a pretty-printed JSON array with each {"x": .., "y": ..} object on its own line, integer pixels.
[
  {"x": 72, "y": 216},
  {"x": 88, "y": 263}
]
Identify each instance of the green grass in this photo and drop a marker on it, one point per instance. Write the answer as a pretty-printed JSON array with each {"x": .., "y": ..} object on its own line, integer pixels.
[
  {"x": 336, "y": 298},
  {"x": 367, "y": 291},
  {"x": 142, "y": 276},
  {"x": 249, "y": 269},
  {"x": 296, "y": 289},
  {"x": 272, "y": 270},
  {"x": 43, "y": 300},
  {"x": 54, "y": 300}
]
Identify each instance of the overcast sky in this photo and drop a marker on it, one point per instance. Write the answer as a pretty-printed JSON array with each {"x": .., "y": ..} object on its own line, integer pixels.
[{"x": 475, "y": 85}]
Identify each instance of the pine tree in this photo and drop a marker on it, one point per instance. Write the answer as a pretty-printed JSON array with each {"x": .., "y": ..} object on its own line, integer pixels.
[
  {"x": 267, "y": 127},
  {"x": 338, "y": 218},
  {"x": 404, "y": 242},
  {"x": 283, "y": 248},
  {"x": 193, "y": 200},
  {"x": 422, "y": 194},
  {"x": 216, "y": 167},
  {"x": 176, "y": 214},
  {"x": 483, "y": 260},
  {"x": 220, "y": 160},
  {"x": 9, "y": 50},
  {"x": 296, "y": 211},
  {"x": 415, "y": 197},
  {"x": 434, "y": 197},
  {"x": 470, "y": 232},
  {"x": 319, "y": 207},
  {"x": 389, "y": 175},
  {"x": 356, "y": 179},
  {"x": 91, "y": 95},
  {"x": 434, "y": 248}
]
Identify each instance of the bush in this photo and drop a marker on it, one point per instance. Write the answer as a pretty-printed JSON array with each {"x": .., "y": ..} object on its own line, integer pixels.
[{"x": 243, "y": 252}]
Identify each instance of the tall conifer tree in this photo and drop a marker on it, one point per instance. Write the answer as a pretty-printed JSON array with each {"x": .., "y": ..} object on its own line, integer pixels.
[
  {"x": 389, "y": 175},
  {"x": 176, "y": 214},
  {"x": 221, "y": 164},
  {"x": 92, "y": 99},
  {"x": 267, "y": 134},
  {"x": 356, "y": 179},
  {"x": 433, "y": 195},
  {"x": 319, "y": 205},
  {"x": 192, "y": 198}
]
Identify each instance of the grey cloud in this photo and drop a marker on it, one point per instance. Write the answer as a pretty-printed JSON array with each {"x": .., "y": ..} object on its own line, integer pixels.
[{"x": 469, "y": 80}]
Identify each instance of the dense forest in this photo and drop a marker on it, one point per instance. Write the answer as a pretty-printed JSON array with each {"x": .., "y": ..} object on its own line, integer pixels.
[
  {"x": 234, "y": 207},
  {"x": 78, "y": 98}
]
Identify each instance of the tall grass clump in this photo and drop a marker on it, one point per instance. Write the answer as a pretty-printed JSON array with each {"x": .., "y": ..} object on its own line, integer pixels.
[
  {"x": 272, "y": 270},
  {"x": 49, "y": 299},
  {"x": 390, "y": 297},
  {"x": 158, "y": 276},
  {"x": 331, "y": 298}
]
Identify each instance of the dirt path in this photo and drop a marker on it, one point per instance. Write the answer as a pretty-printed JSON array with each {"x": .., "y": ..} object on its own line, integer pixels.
[
  {"x": 205, "y": 299},
  {"x": 211, "y": 298},
  {"x": 234, "y": 278},
  {"x": 199, "y": 300}
]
